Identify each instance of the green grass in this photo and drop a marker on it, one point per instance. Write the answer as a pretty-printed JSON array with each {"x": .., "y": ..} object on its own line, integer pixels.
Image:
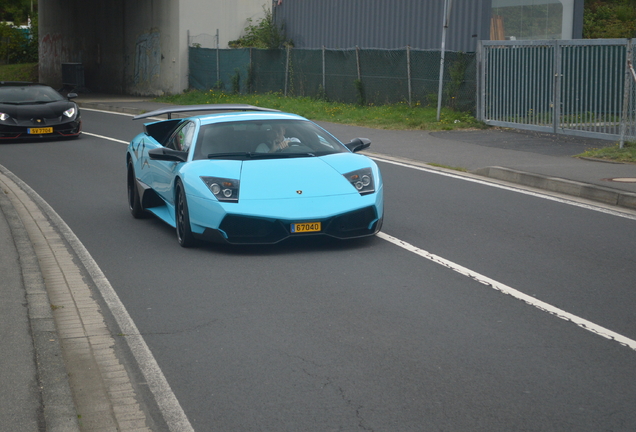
[
  {"x": 396, "y": 116},
  {"x": 614, "y": 153},
  {"x": 19, "y": 72}
]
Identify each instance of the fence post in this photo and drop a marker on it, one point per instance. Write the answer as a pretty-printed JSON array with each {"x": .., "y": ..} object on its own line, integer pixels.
[
  {"x": 408, "y": 71},
  {"x": 626, "y": 92},
  {"x": 556, "y": 98},
  {"x": 358, "y": 62},
  {"x": 286, "y": 70},
  {"x": 324, "y": 83},
  {"x": 250, "y": 75},
  {"x": 218, "y": 65},
  {"x": 480, "y": 82}
]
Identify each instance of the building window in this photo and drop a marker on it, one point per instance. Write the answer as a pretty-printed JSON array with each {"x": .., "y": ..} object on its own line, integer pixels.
[{"x": 530, "y": 19}]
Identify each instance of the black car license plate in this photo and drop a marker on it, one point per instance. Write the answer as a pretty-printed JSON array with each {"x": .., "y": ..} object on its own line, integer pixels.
[{"x": 39, "y": 131}]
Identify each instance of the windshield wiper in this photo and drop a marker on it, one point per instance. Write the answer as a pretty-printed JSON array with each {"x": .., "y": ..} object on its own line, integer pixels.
[
  {"x": 228, "y": 155},
  {"x": 252, "y": 155}
]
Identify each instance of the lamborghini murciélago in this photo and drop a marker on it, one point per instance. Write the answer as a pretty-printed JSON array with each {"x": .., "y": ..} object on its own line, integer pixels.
[{"x": 246, "y": 175}]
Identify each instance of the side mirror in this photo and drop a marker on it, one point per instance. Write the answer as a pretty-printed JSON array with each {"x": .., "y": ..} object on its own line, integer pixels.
[
  {"x": 358, "y": 144},
  {"x": 71, "y": 96},
  {"x": 166, "y": 154}
]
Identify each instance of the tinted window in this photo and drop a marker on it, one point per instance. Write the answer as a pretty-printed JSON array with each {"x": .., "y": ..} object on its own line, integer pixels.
[
  {"x": 28, "y": 94},
  {"x": 260, "y": 137},
  {"x": 182, "y": 138}
]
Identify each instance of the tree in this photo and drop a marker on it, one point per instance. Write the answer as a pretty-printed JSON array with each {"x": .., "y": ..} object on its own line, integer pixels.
[
  {"x": 17, "y": 11},
  {"x": 264, "y": 34},
  {"x": 609, "y": 19}
]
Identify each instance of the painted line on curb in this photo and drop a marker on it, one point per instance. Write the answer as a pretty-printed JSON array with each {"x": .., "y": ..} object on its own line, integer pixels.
[{"x": 505, "y": 289}]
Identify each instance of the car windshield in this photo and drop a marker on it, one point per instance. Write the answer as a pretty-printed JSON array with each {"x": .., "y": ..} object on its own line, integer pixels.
[
  {"x": 261, "y": 139},
  {"x": 28, "y": 94}
]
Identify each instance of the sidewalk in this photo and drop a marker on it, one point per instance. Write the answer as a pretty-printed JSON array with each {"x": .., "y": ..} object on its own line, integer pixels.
[
  {"x": 533, "y": 159},
  {"x": 36, "y": 392}
]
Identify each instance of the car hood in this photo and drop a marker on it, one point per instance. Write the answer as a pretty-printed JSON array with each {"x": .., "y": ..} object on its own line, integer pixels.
[
  {"x": 291, "y": 178},
  {"x": 28, "y": 111},
  {"x": 285, "y": 178}
]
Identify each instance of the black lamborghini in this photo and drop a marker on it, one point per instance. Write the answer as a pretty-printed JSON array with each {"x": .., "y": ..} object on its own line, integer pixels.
[{"x": 31, "y": 110}]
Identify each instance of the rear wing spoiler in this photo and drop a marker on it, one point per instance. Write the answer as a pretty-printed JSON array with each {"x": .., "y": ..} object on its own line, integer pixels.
[{"x": 206, "y": 107}]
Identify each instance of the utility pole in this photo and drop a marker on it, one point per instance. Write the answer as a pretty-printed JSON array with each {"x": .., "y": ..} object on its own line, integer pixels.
[{"x": 447, "y": 9}]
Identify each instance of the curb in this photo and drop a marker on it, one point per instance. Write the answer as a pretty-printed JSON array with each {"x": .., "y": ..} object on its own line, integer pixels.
[
  {"x": 568, "y": 187},
  {"x": 58, "y": 407}
]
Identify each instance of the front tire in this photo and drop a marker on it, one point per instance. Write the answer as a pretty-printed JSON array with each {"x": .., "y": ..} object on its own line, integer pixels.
[
  {"x": 134, "y": 202},
  {"x": 182, "y": 218}
]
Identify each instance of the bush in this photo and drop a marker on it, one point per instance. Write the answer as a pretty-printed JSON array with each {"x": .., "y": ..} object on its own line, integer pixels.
[
  {"x": 18, "y": 45},
  {"x": 609, "y": 19},
  {"x": 264, "y": 34}
]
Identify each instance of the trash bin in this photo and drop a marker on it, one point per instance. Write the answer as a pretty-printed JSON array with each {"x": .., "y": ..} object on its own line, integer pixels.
[{"x": 73, "y": 76}]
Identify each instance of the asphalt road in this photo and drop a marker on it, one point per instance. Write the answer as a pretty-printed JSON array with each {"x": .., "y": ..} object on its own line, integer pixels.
[{"x": 367, "y": 335}]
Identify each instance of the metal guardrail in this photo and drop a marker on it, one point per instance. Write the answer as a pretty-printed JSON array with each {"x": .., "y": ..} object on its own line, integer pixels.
[{"x": 573, "y": 87}]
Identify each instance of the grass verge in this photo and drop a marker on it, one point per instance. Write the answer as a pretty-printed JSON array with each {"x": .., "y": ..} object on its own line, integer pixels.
[
  {"x": 19, "y": 72},
  {"x": 627, "y": 154},
  {"x": 396, "y": 116}
]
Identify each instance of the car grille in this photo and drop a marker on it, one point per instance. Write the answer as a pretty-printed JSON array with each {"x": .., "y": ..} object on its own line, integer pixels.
[{"x": 247, "y": 230}]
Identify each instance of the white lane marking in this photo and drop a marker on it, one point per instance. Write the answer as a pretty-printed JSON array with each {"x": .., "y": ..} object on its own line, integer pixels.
[
  {"x": 505, "y": 289},
  {"x": 106, "y": 138},
  {"x": 107, "y": 112},
  {"x": 119, "y": 113},
  {"x": 517, "y": 189},
  {"x": 157, "y": 383}
]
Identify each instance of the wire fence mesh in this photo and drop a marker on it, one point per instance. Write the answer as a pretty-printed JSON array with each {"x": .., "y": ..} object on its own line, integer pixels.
[{"x": 363, "y": 76}]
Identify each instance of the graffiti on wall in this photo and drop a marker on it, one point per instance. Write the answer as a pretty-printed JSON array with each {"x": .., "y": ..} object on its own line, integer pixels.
[
  {"x": 52, "y": 53},
  {"x": 147, "y": 58}
]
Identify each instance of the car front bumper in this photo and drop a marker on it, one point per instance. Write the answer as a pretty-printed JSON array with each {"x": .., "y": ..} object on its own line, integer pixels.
[{"x": 20, "y": 132}]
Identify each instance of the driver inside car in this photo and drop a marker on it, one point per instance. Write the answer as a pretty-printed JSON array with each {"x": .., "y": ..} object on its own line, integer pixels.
[{"x": 278, "y": 142}]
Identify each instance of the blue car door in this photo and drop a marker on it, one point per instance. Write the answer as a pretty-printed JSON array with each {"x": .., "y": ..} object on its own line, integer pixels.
[{"x": 164, "y": 172}]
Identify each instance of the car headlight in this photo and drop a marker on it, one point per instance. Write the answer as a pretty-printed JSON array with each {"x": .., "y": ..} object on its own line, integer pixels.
[
  {"x": 362, "y": 180},
  {"x": 225, "y": 190},
  {"x": 69, "y": 112},
  {"x": 4, "y": 116}
]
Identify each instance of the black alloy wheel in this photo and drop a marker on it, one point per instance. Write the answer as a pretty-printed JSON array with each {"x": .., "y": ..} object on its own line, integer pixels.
[{"x": 182, "y": 218}]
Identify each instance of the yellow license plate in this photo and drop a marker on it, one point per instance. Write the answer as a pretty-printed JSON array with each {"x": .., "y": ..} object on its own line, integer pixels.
[
  {"x": 38, "y": 131},
  {"x": 305, "y": 227}
]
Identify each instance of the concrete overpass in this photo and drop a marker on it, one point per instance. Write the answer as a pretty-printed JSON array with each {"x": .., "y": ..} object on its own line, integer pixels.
[{"x": 135, "y": 47}]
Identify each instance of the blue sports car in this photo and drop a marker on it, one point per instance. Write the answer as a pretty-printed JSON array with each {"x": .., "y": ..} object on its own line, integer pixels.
[{"x": 246, "y": 175}]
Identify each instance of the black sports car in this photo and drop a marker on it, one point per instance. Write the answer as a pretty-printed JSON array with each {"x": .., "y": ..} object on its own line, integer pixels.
[{"x": 31, "y": 110}]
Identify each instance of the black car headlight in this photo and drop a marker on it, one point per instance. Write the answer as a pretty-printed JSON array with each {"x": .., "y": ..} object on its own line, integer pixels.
[
  {"x": 362, "y": 180},
  {"x": 4, "y": 117},
  {"x": 70, "y": 113},
  {"x": 225, "y": 190}
]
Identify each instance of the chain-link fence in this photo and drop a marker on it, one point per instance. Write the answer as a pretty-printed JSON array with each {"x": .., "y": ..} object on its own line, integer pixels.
[{"x": 364, "y": 76}]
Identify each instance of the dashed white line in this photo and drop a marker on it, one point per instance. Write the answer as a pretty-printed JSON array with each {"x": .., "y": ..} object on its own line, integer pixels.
[
  {"x": 106, "y": 138},
  {"x": 505, "y": 289}
]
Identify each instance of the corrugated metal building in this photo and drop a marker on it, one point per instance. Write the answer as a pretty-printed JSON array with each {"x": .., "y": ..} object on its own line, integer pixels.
[{"x": 417, "y": 23}]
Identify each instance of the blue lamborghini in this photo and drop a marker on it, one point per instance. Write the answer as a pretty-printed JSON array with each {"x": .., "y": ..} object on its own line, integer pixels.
[{"x": 242, "y": 174}]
